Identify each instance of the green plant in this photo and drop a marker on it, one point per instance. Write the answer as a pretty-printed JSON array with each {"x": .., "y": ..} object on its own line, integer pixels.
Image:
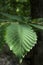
[
  {"x": 19, "y": 35},
  {"x": 18, "y": 32}
]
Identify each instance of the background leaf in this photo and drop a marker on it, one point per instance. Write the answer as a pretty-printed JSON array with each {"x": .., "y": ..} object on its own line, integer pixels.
[
  {"x": 37, "y": 26},
  {"x": 2, "y": 33}
]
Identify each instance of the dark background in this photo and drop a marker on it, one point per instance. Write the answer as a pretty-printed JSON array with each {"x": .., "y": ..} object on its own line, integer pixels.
[
  {"x": 37, "y": 8},
  {"x": 37, "y": 12}
]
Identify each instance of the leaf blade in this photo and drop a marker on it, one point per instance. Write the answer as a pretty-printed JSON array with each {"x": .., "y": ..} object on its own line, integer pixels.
[{"x": 18, "y": 34}]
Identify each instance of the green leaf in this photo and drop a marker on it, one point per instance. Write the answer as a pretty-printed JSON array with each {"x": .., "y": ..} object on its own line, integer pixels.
[
  {"x": 15, "y": 18},
  {"x": 2, "y": 33},
  {"x": 20, "y": 38},
  {"x": 12, "y": 17},
  {"x": 1, "y": 37},
  {"x": 5, "y": 20},
  {"x": 37, "y": 26},
  {"x": 37, "y": 20}
]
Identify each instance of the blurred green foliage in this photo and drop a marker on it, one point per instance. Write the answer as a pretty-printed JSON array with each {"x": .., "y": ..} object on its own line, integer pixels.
[{"x": 15, "y": 7}]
